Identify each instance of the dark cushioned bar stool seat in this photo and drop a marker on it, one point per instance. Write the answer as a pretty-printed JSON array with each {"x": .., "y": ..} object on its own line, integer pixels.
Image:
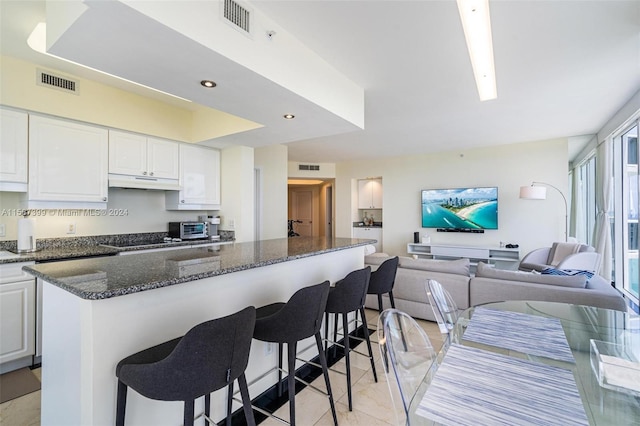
[
  {"x": 347, "y": 296},
  {"x": 209, "y": 357},
  {"x": 382, "y": 280},
  {"x": 291, "y": 322}
]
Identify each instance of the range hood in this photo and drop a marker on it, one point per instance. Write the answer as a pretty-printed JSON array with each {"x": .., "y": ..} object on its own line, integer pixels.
[{"x": 139, "y": 182}]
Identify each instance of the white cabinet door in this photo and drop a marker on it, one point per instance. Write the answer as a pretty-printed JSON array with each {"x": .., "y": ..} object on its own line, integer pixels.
[
  {"x": 17, "y": 320},
  {"x": 370, "y": 194},
  {"x": 138, "y": 155},
  {"x": 376, "y": 193},
  {"x": 162, "y": 158},
  {"x": 127, "y": 153},
  {"x": 68, "y": 161},
  {"x": 199, "y": 178},
  {"x": 13, "y": 148},
  {"x": 365, "y": 233}
]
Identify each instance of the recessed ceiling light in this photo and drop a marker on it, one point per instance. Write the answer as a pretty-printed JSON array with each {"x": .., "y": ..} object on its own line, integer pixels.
[
  {"x": 208, "y": 84},
  {"x": 289, "y": 116}
]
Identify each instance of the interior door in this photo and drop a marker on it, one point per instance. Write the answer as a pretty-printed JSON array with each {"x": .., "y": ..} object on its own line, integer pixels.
[{"x": 302, "y": 209}]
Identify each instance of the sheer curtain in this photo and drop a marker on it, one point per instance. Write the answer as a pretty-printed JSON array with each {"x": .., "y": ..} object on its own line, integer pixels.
[{"x": 604, "y": 189}]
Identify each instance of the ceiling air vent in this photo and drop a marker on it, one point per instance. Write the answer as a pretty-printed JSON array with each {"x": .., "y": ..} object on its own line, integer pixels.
[
  {"x": 47, "y": 79},
  {"x": 315, "y": 167},
  {"x": 237, "y": 15}
]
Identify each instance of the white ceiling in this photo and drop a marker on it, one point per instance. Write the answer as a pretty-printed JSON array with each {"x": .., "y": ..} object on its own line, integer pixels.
[{"x": 563, "y": 69}]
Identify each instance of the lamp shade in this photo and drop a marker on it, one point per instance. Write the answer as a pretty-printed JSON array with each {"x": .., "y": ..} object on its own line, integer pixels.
[{"x": 533, "y": 192}]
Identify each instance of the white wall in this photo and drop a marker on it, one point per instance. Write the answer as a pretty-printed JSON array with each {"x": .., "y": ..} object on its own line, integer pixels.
[
  {"x": 144, "y": 212},
  {"x": 531, "y": 224},
  {"x": 272, "y": 163},
  {"x": 237, "y": 187}
]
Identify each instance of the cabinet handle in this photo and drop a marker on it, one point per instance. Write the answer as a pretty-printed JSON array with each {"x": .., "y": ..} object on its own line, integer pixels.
[
  {"x": 182, "y": 201},
  {"x": 151, "y": 174},
  {"x": 104, "y": 198},
  {"x": 144, "y": 173}
]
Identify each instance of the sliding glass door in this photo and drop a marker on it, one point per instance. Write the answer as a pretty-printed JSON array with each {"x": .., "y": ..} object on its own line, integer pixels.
[{"x": 625, "y": 224}]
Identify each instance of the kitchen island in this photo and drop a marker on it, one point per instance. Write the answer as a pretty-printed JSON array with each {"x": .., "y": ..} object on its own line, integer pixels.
[{"x": 98, "y": 311}]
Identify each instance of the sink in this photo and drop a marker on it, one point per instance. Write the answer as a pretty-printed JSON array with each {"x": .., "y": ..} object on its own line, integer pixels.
[{"x": 4, "y": 254}]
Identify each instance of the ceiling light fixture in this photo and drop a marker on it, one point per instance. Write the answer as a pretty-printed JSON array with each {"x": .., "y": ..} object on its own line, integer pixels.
[
  {"x": 208, "y": 84},
  {"x": 289, "y": 116},
  {"x": 37, "y": 41},
  {"x": 476, "y": 24}
]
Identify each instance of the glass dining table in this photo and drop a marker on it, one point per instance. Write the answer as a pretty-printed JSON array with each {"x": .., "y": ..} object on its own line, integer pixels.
[{"x": 530, "y": 363}]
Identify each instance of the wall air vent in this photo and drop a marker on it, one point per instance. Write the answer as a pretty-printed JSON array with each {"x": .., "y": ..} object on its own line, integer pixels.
[
  {"x": 48, "y": 79},
  {"x": 237, "y": 15},
  {"x": 315, "y": 167}
]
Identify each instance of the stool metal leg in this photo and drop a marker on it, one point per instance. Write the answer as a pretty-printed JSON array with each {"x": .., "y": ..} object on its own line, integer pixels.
[
  {"x": 207, "y": 408},
  {"x": 229, "y": 403},
  {"x": 325, "y": 371},
  {"x": 246, "y": 400},
  {"x": 291, "y": 358},
  {"x": 280, "y": 350},
  {"x": 393, "y": 304},
  {"x": 121, "y": 403},
  {"x": 188, "y": 413},
  {"x": 368, "y": 340},
  {"x": 347, "y": 359},
  {"x": 379, "y": 303}
]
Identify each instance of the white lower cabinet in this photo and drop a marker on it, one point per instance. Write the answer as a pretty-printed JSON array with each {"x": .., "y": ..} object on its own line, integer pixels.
[
  {"x": 68, "y": 164},
  {"x": 17, "y": 317},
  {"x": 199, "y": 179},
  {"x": 366, "y": 233}
]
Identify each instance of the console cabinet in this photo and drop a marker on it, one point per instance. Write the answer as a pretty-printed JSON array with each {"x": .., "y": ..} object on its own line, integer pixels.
[{"x": 499, "y": 257}]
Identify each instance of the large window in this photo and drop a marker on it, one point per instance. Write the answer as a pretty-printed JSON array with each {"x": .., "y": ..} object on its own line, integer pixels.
[
  {"x": 585, "y": 175},
  {"x": 625, "y": 224}
]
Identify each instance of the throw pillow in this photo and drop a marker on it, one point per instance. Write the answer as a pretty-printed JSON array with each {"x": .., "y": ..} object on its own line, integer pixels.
[
  {"x": 486, "y": 271},
  {"x": 567, "y": 272}
]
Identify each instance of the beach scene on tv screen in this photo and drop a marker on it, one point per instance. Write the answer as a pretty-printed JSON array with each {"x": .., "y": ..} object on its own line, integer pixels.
[{"x": 466, "y": 208}]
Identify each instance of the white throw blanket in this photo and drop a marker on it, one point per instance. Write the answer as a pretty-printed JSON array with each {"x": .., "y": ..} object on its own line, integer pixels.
[{"x": 562, "y": 251}]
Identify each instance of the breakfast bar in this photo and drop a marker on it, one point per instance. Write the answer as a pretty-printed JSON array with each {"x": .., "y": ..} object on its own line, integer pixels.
[{"x": 98, "y": 311}]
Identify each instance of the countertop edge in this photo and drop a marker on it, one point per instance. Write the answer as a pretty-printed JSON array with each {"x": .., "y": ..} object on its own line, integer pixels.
[{"x": 101, "y": 295}]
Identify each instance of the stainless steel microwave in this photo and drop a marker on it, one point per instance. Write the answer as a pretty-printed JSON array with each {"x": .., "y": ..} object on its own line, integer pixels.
[{"x": 188, "y": 230}]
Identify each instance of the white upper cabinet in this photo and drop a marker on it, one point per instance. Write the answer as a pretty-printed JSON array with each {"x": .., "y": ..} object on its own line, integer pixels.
[
  {"x": 370, "y": 193},
  {"x": 138, "y": 161},
  {"x": 68, "y": 164},
  {"x": 13, "y": 150},
  {"x": 199, "y": 179}
]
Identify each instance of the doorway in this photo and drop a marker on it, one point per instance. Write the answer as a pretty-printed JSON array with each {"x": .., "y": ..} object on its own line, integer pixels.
[{"x": 310, "y": 206}]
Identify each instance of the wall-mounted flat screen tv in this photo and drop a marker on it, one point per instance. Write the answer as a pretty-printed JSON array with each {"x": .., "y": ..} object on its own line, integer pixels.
[{"x": 460, "y": 208}]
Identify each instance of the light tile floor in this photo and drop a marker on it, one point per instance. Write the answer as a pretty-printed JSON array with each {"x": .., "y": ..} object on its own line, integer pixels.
[{"x": 372, "y": 405}]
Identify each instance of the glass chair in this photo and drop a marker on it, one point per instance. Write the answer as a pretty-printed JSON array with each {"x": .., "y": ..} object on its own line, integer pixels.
[
  {"x": 444, "y": 308},
  {"x": 407, "y": 356}
]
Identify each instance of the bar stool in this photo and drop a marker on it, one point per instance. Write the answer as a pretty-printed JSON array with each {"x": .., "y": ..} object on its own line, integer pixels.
[
  {"x": 347, "y": 296},
  {"x": 382, "y": 280},
  {"x": 290, "y": 322},
  {"x": 209, "y": 357}
]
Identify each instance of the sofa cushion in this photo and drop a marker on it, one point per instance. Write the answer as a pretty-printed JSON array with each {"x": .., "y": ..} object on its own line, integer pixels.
[
  {"x": 486, "y": 271},
  {"x": 457, "y": 267}
]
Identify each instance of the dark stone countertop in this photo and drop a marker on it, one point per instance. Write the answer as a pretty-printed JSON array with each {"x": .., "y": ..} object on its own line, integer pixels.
[
  {"x": 71, "y": 248},
  {"x": 105, "y": 277}
]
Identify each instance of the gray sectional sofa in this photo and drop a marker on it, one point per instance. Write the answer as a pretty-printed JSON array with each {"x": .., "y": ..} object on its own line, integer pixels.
[{"x": 488, "y": 285}]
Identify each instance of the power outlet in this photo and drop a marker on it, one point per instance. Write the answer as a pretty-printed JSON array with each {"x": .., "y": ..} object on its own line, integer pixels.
[
  {"x": 268, "y": 349},
  {"x": 3, "y": 230},
  {"x": 71, "y": 228},
  {"x": 232, "y": 224}
]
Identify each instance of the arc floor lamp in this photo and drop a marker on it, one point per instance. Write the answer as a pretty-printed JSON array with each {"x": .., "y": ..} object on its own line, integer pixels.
[{"x": 537, "y": 192}]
